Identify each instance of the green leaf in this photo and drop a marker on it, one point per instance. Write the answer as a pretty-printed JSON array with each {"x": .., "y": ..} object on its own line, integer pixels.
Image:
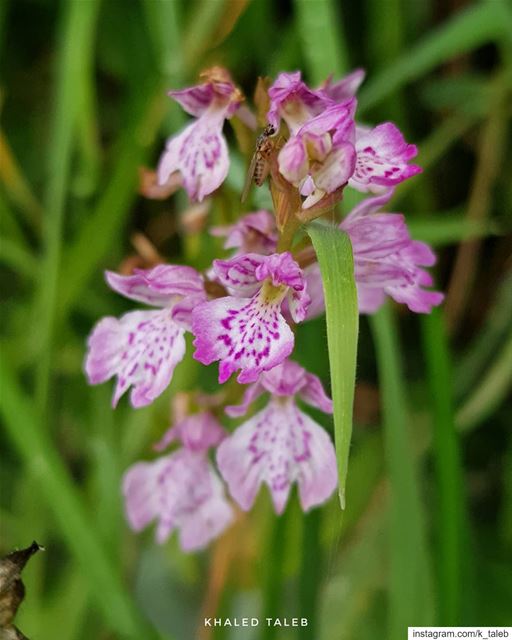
[{"x": 334, "y": 253}]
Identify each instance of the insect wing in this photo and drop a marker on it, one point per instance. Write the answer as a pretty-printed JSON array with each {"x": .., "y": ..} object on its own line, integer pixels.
[{"x": 250, "y": 176}]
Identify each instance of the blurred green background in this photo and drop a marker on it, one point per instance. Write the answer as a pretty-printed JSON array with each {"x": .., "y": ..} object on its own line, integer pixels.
[{"x": 427, "y": 534}]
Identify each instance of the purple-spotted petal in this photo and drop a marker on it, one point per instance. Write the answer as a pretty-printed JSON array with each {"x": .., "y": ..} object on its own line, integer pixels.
[
  {"x": 239, "y": 273},
  {"x": 280, "y": 445},
  {"x": 286, "y": 380},
  {"x": 197, "y": 432},
  {"x": 249, "y": 335},
  {"x": 194, "y": 100},
  {"x": 298, "y": 303},
  {"x": 200, "y": 154},
  {"x": 157, "y": 286},
  {"x": 181, "y": 491},
  {"x": 281, "y": 269},
  {"x": 141, "y": 348},
  {"x": 382, "y": 159}
]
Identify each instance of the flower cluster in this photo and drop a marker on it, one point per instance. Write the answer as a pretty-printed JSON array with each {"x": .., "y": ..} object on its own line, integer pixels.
[{"x": 242, "y": 311}]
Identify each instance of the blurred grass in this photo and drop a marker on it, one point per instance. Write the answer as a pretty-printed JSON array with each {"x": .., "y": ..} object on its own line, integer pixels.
[
  {"x": 410, "y": 570},
  {"x": 81, "y": 111}
]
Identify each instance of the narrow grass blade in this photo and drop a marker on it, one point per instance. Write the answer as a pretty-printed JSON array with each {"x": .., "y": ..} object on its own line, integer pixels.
[
  {"x": 448, "y": 468},
  {"x": 467, "y": 30},
  {"x": 495, "y": 385},
  {"x": 75, "y": 46},
  {"x": 319, "y": 22},
  {"x": 98, "y": 231},
  {"x": 410, "y": 596},
  {"x": 334, "y": 253},
  {"x": 57, "y": 488}
]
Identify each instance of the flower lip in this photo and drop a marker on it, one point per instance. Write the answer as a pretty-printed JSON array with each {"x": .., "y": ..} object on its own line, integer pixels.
[{"x": 180, "y": 491}]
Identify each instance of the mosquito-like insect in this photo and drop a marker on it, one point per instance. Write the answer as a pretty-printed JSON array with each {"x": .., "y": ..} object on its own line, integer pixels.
[{"x": 260, "y": 167}]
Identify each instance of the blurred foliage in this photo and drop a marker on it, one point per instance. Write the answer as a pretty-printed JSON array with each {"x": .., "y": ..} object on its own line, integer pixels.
[{"x": 427, "y": 533}]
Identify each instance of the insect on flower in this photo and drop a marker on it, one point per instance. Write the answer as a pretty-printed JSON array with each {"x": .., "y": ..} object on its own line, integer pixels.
[{"x": 260, "y": 167}]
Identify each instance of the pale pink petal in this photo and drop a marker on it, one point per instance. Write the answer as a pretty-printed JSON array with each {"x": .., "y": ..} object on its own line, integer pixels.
[
  {"x": 369, "y": 299},
  {"x": 200, "y": 154},
  {"x": 334, "y": 172},
  {"x": 346, "y": 87},
  {"x": 315, "y": 289},
  {"x": 369, "y": 206},
  {"x": 292, "y": 100},
  {"x": 387, "y": 261},
  {"x": 239, "y": 273},
  {"x": 141, "y": 348},
  {"x": 196, "y": 432},
  {"x": 157, "y": 286},
  {"x": 383, "y": 159},
  {"x": 246, "y": 334},
  {"x": 141, "y": 492},
  {"x": 253, "y": 233},
  {"x": 293, "y": 160},
  {"x": 337, "y": 118},
  {"x": 314, "y": 394},
  {"x": 298, "y": 303},
  {"x": 182, "y": 310},
  {"x": 417, "y": 299},
  {"x": 281, "y": 269},
  {"x": 181, "y": 491},
  {"x": 287, "y": 379},
  {"x": 195, "y": 100},
  {"x": 251, "y": 393},
  {"x": 378, "y": 235},
  {"x": 280, "y": 445},
  {"x": 207, "y": 521}
]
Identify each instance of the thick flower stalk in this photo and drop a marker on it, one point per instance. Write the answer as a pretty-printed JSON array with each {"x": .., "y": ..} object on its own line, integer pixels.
[{"x": 243, "y": 308}]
